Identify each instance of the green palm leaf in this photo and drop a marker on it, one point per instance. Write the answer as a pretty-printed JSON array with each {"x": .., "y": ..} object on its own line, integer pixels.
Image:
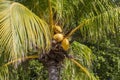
[
  {"x": 101, "y": 26},
  {"x": 21, "y": 31},
  {"x": 96, "y": 28},
  {"x": 81, "y": 71}
]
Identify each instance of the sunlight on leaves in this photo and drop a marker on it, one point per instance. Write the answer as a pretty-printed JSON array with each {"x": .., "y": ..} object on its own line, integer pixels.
[{"x": 21, "y": 31}]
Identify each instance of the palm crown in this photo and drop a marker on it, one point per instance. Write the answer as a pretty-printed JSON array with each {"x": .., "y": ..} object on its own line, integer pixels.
[{"x": 22, "y": 32}]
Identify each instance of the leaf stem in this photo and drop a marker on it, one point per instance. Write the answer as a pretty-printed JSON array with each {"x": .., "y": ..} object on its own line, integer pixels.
[
  {"x": 79, "y": 65},
  {"x": 20, "y": 59},
  {"x": 76, "y": 28}
]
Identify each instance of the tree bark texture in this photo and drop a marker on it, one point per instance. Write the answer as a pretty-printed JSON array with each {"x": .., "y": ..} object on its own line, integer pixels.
[{"x": 54, "y": 71}]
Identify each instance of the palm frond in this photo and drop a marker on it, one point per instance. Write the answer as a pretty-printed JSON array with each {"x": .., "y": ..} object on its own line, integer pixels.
[
  {"x": 50, "y": 16},
  {"x": 5, "y": 73},
  {"x": 101, "y": 17},
  {"x": 81, "y": 67},
  {"x": 21, "y": 31},
  {"x": 82, "y": 53},
  {"x": 100, "y": 26},
  {"x": 64, "y": 12},
  {"x": 73, "y": 72}
]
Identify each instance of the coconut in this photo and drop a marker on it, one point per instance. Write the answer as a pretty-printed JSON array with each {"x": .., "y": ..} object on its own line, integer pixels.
[
  {"x": 65, "y": 44},
  {"x": 57, "y": 29},
  {"x": 58, "y": 37}
]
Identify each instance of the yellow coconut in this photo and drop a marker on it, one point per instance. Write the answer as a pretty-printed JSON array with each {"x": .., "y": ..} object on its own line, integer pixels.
[
  {"x": 58, "y": 37},
  {"x": 65, "y": 44},
  {"x": 57, "y": 29}
]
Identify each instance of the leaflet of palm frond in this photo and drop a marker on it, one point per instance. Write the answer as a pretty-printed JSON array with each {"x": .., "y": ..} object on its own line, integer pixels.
[
  {"x": 5, "y": 67},
  {"x": 4, "y": 74},
  {"x": 50, "y": 16},
  {"x": 22, "y": 31}
]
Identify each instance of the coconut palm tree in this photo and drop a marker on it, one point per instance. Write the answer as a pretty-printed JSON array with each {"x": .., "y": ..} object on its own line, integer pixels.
[{"x": 44, "y": 31}]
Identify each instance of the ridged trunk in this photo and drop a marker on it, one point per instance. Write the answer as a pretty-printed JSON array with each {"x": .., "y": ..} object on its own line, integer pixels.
[{"x": 54, "y": 71}]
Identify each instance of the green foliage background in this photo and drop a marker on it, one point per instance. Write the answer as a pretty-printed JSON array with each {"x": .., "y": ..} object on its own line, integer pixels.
[
  {"x": 30, "y": 70},
  {"x": 107, "y": 60}
]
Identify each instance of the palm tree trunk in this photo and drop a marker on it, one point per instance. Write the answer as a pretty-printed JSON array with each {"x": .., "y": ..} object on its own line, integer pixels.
[
  {"x": 53, "y": 71},
  {"x": 52, "y": 63}
]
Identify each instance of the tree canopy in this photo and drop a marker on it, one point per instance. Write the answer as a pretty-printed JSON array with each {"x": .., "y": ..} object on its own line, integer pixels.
[{"x": 30, "y": 30}]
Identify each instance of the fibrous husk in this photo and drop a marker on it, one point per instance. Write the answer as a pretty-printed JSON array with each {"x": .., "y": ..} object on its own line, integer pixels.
[
  {"x": 57, "y": 29},
  {"x": 58, "y": 37},
  {"x": 65, "y": 44}
]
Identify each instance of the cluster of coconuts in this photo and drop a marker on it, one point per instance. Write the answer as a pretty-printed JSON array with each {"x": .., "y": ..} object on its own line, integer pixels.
[{"x": 59, "y": 37}]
